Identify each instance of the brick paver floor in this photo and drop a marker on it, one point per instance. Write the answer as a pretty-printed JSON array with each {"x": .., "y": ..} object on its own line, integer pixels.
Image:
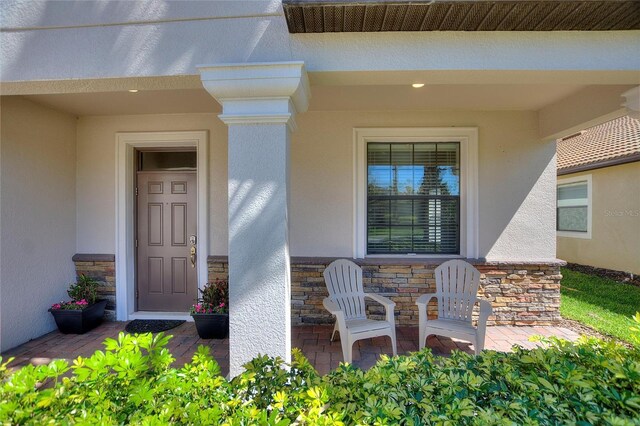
[{"x": 313, "y": 340}]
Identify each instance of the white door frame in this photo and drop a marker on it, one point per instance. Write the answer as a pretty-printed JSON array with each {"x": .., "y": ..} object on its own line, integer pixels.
[{"x": 126, "y": 144}]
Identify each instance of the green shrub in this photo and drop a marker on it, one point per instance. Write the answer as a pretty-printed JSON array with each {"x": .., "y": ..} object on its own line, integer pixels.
[{"x": 131, "y": 382}]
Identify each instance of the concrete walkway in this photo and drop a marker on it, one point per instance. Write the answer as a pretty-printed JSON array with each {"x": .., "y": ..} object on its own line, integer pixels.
[{"x": 313, "y": 340}]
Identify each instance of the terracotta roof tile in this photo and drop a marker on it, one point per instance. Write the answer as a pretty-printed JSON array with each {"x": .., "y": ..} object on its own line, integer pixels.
[{"x": 611, "y": 140}]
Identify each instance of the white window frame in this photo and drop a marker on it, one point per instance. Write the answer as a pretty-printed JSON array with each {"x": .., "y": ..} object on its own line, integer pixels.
[
  {"x": 467, "y": 137},
  {"x": 577, "y": 234}
]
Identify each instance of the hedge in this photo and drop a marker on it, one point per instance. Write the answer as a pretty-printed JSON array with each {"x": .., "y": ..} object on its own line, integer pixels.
[{"x": 131, "y": 382}]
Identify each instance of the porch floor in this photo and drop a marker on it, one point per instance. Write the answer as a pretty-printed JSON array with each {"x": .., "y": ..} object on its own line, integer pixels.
[{"x": 313, "y": 340}]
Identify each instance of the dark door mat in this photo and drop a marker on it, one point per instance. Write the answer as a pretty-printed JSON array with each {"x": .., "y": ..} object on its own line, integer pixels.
[{"x": 151, "y": 326}]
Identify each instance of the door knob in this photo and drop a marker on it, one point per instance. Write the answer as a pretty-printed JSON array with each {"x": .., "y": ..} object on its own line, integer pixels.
[{"x": 193, "y": 256}]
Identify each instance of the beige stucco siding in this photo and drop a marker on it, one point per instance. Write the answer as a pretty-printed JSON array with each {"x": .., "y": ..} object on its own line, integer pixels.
[
  {"x": 516, "y": 178},
  {"x": 615, "y": 232},
  {"x": 37, "y": 216},
  {"x": 97, "y": 174}
]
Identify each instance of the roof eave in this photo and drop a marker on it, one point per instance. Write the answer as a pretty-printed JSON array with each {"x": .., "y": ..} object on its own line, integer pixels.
[{"x": 600, "y": 164}]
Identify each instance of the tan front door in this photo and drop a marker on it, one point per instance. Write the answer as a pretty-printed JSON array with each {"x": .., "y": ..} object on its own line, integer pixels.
[{"x": 166, "y": 210}]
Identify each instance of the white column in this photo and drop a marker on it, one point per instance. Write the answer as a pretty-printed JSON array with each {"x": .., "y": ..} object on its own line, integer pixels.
[
  {"x": 259, "y": 104},
  {"x": 632, "y": 102}
]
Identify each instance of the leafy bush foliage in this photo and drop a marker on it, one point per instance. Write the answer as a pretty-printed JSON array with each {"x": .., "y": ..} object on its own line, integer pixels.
[
  {"x": 131, "y": 382},
  {"x": 635, "y": 330}
]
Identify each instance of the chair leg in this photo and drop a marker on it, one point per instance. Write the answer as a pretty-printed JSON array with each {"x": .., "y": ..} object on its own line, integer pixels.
[
  {"x": 347, "y": 347},
  {"x": 335, "y": 328},
  {"x": 422, "y": 336},
  {"x": 479, "y": 344},
  {"x": 393, "y": 342}
]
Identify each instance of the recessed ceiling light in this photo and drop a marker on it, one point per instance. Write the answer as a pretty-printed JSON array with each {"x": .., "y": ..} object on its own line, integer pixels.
[
  {"x": 417, "y": 85},
  {"x": 133, "y": 90}
]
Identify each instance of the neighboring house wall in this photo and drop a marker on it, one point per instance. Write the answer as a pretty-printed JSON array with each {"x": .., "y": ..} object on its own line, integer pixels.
[
  {"x": 615, "y": 228},
  {"x": 516, "y": 179},
  {"x": 37, "y": 218}
]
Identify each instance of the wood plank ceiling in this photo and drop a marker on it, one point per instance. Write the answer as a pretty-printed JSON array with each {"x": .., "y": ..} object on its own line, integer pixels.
[{"x": 320, "y": 16}]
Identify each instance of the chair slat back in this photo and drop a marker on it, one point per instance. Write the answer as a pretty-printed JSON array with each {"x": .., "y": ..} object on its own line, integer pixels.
[
  {"x": 344, "y": 283},
  {"x": 457, "y": 284}
]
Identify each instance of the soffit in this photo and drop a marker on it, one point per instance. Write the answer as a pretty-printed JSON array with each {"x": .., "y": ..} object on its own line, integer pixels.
[
  {"x": 324, "y": 98},
  {"x": 320, "y": 16}
]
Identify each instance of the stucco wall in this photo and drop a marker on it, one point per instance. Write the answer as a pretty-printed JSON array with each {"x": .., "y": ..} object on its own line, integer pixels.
[
  {"x": 615, "y": 231},
  {"x": 516, "y": 179},
  {"x": 97, "y": 168},
  {"x": 59, "y": 40},
  {"x": 37, "y": 216}
]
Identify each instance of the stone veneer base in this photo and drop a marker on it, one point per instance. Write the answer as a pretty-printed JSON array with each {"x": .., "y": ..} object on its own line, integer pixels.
[
  {"x": 522, "y": 293},
  {"x": 102, "y": 268}
]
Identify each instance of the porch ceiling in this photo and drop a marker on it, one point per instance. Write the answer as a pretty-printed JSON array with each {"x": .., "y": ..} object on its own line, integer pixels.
[{"x": 325, "y": 98}]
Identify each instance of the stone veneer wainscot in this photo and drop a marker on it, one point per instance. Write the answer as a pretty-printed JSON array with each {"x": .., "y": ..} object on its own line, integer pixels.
[
  {"x": 102, "y": 268},
  {"x": 522, "y": 293}
]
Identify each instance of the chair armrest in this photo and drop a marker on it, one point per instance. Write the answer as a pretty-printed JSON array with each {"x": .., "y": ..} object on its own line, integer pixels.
[
  {"x": 388, "y": 304},
  {"x": 333, "y": 307},
  {"x": 381, "y": 300},
  {"x": 425, "y": 298}
]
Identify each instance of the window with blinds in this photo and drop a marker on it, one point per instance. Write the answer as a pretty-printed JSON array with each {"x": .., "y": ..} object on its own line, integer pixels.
[
  {"x": 572, "y": 210},
  {"x": 413, "y": 198}
]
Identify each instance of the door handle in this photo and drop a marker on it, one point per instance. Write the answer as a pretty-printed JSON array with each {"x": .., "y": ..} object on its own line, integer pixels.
[{"x": 193, "y": 256}]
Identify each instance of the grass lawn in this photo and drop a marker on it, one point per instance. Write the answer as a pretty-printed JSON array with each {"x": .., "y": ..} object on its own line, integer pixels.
[{"x": 600, "y": 303}]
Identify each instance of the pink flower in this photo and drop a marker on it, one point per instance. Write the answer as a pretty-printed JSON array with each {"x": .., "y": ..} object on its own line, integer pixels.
[{"x": 55, "y": 306}]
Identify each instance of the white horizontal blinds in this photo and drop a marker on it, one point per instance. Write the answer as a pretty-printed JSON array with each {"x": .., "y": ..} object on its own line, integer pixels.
[
  {"x": 572, "y": 210},
  {"x": 413, "y": 198}
]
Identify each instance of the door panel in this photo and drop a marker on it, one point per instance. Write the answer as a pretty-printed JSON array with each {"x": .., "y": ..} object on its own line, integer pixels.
[
  {"x": 178, "y": 224},
  {"x": 166, "y": 212}
]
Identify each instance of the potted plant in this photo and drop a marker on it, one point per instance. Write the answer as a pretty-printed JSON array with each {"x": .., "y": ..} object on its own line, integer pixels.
[
  {"x": 211, "y": 312},
  {"x": 82, "y": 313}
]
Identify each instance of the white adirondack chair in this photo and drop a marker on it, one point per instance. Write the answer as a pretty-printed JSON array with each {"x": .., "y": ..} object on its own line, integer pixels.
[
  {"x": 346, "y": 302},
  {"x": 456, "y": 290}
]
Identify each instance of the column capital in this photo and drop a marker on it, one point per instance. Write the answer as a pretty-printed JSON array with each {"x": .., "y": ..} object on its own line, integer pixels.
[{"x": 259, "y": 92}]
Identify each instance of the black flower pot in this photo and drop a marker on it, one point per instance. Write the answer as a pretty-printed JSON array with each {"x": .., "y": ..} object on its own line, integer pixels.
[
  {"x": 212, "y": 326},
  {"x": 79, "y": 321}
]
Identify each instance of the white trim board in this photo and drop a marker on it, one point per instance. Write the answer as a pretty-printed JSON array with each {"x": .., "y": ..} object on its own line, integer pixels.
[
  {"x": 126, "y": 144},
  {"x": 468, "y": 139},
  {"x": 577, "y": 179}
]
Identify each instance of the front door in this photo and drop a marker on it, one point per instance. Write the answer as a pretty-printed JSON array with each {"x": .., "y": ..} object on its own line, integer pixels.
[{"x": 166, "y": 238}]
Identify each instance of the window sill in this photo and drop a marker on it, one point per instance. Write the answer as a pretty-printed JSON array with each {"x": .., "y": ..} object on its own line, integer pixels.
[{"x": 570, "y": 234}]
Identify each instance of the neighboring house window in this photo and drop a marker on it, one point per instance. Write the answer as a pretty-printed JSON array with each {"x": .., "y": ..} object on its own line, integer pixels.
[
  {"x": 573, "y": 210},
  {"x": 416, "y": 192},
  {"x": 413, "y": 198}
]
